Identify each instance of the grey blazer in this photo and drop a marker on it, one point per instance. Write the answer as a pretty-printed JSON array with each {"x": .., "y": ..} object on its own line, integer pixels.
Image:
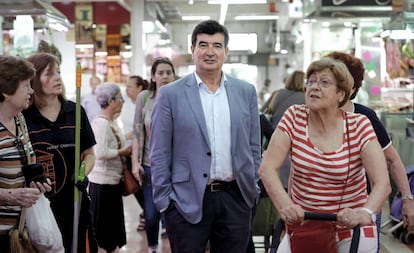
[{"x": 180, "y": 149}]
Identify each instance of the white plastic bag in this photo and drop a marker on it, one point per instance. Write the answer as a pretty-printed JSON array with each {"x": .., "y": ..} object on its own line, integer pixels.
[
  {"x": 42, "y": 227},
  {"x": 284, "y": 246}
]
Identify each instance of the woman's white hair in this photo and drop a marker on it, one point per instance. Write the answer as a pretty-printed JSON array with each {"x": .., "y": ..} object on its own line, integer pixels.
[{"x": 106, "y": 91}]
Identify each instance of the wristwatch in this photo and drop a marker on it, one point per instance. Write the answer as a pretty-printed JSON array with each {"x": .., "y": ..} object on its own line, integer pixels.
[
  {"x": 407, "y": 197},
  {"x": 371, "y": 214}
]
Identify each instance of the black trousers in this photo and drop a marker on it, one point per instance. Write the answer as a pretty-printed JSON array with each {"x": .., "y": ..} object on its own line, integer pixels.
[{"x": 225, "y": 223}]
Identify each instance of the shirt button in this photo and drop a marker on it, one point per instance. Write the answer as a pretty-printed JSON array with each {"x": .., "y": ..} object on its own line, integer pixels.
[
  {"x": 209, "y": 153},
  {"x": 205, "y": 175}
]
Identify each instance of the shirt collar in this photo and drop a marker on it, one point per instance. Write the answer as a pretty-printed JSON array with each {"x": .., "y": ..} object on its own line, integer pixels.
[{"x": 199, "y": 81}]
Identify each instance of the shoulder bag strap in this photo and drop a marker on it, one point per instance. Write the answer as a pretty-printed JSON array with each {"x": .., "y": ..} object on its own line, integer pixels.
[
  {"x": 124, "y": 165},
  {"x": 22, "y": 220}
]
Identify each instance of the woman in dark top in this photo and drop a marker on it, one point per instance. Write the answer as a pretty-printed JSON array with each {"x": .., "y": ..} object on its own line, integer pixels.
[{"x": 51, "y": 123}]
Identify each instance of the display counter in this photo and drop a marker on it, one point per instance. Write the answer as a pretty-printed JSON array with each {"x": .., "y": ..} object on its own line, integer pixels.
[{"x": 396, "y": 125}]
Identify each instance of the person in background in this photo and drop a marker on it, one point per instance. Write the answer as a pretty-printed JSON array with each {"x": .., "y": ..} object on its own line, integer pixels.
[
  {"x": 205, "y": 151},
  {"x": 264, "y": 91},
  {"x": 331, "y": 151},
  {"x": 395, "y": 165},
  {"x": 134, "y": 86},
  {"x": 162, "y": 73},
  {"x": 266, "y": 131},
  {"x": 105, "y": 178},
  {"x": 51, "y": 123},
  {"x": 15, "y": 92},
  {"x": 292, "y": 94},
  {"x": 88, "y": 101}
]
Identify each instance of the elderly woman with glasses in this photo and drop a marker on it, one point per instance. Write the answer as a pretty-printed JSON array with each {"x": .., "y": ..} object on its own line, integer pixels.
[
  {"x": 15, "y": 148},
  {"x": 105, "y": 178},
  {"x": 330, "y": 151}
]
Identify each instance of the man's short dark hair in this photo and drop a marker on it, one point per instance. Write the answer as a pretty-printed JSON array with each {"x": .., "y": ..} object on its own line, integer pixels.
[{"x": 210, "y": 27}]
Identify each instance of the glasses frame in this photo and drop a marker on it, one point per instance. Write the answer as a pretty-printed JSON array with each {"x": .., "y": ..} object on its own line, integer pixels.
[{"x": 319, "y": 83}]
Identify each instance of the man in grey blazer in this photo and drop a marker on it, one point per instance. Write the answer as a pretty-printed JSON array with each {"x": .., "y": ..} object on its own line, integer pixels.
[{"x": 205, "y": 151}]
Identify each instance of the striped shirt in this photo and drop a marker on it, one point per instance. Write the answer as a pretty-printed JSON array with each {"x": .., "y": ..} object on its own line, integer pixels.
[
  {"x": 327, "y": 181},
  {"x": 11, "y": 176}
]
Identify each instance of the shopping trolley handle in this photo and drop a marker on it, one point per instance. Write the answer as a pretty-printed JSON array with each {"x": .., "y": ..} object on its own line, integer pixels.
[{"x": 320, "y": 216}]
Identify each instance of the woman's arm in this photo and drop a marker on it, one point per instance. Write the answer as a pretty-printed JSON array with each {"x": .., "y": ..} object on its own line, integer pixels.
[
  {"x": 277, "y": 151},
  {"x": 88, "y": 156},
  {"x": 373, "y": 160}
]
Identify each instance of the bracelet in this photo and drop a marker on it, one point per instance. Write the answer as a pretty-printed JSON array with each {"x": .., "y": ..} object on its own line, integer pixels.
[{"x": 407, "y": 197}]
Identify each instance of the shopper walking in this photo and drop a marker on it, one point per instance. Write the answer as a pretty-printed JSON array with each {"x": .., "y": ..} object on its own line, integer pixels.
[
  {"x": 134, "y": 86},
  {"x": 162, "y": 73},
  {"x": 15, "y": 92},
  {"x": 292, "y": 94},
  {"x": 51, "y": 123},
  {"x": 331, "y": 150},
  {"x": 105, "y": 178},
  {"x": 205, "y": 151},
  {"x": 88, "y": 101},
  {"x": 395, "y": 165}
]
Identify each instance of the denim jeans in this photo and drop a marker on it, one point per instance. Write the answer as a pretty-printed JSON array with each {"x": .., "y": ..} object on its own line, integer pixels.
[{"x": 152, "y": 215}]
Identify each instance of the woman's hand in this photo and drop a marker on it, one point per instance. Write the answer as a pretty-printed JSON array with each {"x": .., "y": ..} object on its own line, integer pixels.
[
  {"x": 293, "y": 214},
  {"x": 135, "y": 171},
  {"x": 24, "y": 197},
  {"x": 352, "y": 217},
  {"x": 43, "y": 187}
]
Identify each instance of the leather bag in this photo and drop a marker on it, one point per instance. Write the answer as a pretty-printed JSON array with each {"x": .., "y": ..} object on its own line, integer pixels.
[
  {"x": 313, "y": 236},
  {"x": 129, "y": 183},
  {"x": 19, "y": 238}
]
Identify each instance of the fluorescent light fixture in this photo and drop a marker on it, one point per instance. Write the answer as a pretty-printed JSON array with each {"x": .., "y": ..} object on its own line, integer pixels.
[
  {"x": 372, "y": 74},
  {"x": 58, "y": 27},
  {"x": 148, "y": 26},
  {"x": 397, "y": 34},
  {"x": 237, "y": 1},
  {"x": 101, "y": 53},
  {"x": 195, "y": 18},
  {"x": 277, "y": 47},
  {"x": 348, "y": 24},
  {"x": 160, "y": 26},
  {"x": 260, "y": 17},
  {"x": 84, "y": 46},
  {"x": 126, "y": 54},
  {"x": 223, "y": 12}
]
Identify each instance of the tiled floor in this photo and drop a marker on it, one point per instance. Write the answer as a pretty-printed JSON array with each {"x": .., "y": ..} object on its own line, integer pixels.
[{"x": 137, "y": 243}]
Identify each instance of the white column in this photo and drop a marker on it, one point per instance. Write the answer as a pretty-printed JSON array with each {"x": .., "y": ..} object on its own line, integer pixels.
[{"x": 137, "y": 62}]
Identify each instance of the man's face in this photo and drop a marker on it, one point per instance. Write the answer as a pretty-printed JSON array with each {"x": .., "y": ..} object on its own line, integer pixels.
[{"x": 209, "y": 52}]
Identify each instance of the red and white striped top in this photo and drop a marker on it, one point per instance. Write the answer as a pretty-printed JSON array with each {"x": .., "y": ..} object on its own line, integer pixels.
[{"x": 327, "y": 181}]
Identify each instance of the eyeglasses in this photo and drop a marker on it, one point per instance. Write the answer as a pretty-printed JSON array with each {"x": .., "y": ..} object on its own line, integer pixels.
[
  {"x": 120, "y": 98},
  {"x": 323, "y": 83}
]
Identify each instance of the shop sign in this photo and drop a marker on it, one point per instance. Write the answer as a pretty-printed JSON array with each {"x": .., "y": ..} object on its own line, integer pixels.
[{"x": 84, "y": 23}]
